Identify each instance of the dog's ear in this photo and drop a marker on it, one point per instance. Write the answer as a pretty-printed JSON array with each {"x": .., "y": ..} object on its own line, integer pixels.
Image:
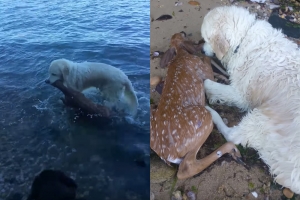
[
  {"x": 220, "y": 45},
  {"x": 167, "y": 57},
  {"x": 65, "y": 69},
  {"x": 189, "y": 46}
]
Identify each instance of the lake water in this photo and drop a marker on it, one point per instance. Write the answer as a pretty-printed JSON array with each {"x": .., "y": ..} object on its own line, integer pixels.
[{"x": 37, "y": 131}]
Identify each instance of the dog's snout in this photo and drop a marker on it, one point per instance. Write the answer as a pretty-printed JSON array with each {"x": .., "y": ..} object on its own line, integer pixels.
[{"x": 47, "y": 81}]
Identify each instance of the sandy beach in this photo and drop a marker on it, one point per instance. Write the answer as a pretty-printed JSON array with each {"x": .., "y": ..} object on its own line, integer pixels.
[{"x": 224, "y": 179}]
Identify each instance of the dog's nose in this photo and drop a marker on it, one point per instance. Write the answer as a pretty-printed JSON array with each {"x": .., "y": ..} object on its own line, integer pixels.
[{"x": 47, "y": 81}]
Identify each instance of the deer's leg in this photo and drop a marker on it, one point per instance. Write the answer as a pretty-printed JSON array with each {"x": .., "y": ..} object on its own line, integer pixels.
[
  {"x": 187, "y": 166},
  {"x": 190, "y": 166},
  {"x": 224, "y": 94}
]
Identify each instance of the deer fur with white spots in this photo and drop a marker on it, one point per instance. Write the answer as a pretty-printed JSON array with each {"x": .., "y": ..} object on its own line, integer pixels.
[{"x": 181, "y": 124}]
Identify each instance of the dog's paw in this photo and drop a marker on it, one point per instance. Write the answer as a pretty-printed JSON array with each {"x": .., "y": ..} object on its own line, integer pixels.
[
  {"x": 215, "y": 116},
  {"x": 210, "y": 90}
]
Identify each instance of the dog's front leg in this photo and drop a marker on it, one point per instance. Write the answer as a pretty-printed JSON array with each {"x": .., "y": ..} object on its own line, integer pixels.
[{"x": 223, "y": 94}]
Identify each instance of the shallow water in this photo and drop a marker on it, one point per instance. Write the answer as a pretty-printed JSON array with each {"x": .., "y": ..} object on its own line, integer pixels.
[{"x": 37, "y": 131}]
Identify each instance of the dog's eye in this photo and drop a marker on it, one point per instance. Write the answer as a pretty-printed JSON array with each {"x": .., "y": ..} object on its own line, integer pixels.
[{"x": 53, "y": 74}]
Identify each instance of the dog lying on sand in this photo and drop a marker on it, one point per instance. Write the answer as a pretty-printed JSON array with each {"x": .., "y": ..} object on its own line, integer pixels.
[{"x": 264, "y": 69}]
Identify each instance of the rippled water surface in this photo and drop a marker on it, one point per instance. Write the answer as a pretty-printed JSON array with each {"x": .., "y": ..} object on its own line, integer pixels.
[{"x": 37, "y": 131}]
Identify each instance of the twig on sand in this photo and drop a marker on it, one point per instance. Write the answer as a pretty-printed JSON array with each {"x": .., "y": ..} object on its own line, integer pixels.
[
  {"x": 219, "y": 68},
  {"x": 221, "y": 77}
]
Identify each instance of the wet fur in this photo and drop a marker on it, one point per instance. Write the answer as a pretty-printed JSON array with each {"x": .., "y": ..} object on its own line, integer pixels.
[
  {"x": 264, "y": 69},
  {"x": 115, "y": 87}
]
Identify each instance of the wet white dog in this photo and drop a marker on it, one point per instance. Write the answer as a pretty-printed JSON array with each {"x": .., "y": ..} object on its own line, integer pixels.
[
  {"x": 114, "y": 86},
  {"x": 264, "y": 69}
]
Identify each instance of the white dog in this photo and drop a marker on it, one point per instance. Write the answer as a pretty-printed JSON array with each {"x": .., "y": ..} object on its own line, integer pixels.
[
  {"x": 113, "y": 84},
  {"x": 264, "y": 69}
]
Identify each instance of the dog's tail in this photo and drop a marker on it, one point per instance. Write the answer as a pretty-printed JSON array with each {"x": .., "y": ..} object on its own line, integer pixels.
[{"x": 130, "y": 98}]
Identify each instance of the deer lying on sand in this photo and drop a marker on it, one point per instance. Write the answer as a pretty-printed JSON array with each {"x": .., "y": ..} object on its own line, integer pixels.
[{"x": 181, "y": 123}]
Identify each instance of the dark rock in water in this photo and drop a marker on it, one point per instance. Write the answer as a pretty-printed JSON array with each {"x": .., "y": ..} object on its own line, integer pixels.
[
  {"x": 15, "y": 196},
  {"x": 164, "y": 17},
  {"x": 289, "y": 28},
  {"x": 52, "y": 184}
]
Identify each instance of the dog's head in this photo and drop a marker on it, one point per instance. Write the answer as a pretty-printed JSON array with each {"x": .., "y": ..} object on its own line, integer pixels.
[
  {"x": 223, "y": 28},
  {"x": 58, "y": 70}
]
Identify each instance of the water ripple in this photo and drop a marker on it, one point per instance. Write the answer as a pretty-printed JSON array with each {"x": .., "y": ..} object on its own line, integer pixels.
[{"x": 36, "y": 130}]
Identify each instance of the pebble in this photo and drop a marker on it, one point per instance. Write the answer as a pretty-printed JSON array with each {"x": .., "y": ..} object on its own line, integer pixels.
[
  {"x": 156, "y": 53},
  {"x": 288, "y": 193},
  {"x": 273, "y": 6},
  {"x": 191, "y": 195},
  {"x": 154, "y": 80},
  {"x": 176, "y": 195},
  {"x": 254, "y": 194}
]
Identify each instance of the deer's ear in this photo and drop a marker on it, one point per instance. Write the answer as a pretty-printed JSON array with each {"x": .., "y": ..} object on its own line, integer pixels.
[
  {"x": 167, "y": 57},
  {"x": 189, "y": 46}
]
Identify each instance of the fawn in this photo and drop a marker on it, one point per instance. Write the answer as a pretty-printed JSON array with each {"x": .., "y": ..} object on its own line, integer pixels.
[{"x": 181, "y": 123}]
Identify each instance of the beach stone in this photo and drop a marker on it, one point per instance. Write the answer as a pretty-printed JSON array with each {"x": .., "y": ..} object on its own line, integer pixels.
[{"x": 160, "y": 171}]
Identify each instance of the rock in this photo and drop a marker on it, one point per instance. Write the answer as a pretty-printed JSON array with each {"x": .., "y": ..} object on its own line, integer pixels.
[
  {"x": 288, "y": 193},
  {"x": 176, "y": 195},
  {"x": 254, "y": 194},
  {"x": 191, "y": 195},
  {"x": 154, "y": 80},
  {"x": 273, "y": 6},
  {"x": 160, "y": 171},
  {"x": 258, "y": 1}
]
